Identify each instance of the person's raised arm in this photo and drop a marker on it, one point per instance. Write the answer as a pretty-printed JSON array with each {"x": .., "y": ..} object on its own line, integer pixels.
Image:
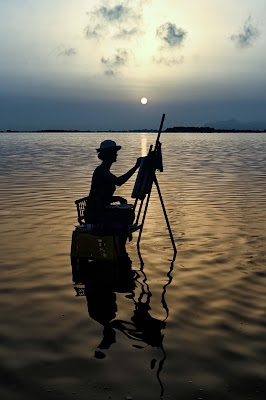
[{"x": 120, "y": 180}]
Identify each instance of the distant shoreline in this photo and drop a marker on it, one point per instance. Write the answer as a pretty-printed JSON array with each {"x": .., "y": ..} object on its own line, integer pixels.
[
  {"x": 177, "y": 129},
  {"x": 207, "y": 129}
]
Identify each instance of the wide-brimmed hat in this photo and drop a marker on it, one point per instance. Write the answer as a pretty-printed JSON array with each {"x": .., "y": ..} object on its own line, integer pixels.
[{"x": 108, "y": 145}]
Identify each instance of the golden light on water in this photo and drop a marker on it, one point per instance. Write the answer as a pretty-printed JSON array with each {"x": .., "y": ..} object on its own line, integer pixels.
[
  {"x": 143, "y": 145},
  {"x": 144, "y": 100}
]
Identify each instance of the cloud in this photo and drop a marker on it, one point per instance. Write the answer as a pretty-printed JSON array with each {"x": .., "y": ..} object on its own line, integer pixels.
[
  {"x": 118, "y": 21},
  {"x": 116, "y": 13},
  {"x": 127, "y": 34},
  {"x": 171, "y": 35},
  {"x": 71, "y": 51},
  {"x": 109, "y": 72},
  {"x": 113, "y": 64},
  {"x": 247, "y": 37},
  {"x": 119, "y": 59},
  {"x": 64, "y": 51},
  {"x": 168, "y": 61},
  {"x": 93, "y": 33}
]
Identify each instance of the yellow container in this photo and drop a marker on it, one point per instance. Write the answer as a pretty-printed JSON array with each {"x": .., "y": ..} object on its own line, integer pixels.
[{"x": 95, "y": 247}]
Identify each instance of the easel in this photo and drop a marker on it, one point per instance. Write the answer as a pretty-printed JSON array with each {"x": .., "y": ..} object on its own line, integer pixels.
[{"x": 143, "y": 185}]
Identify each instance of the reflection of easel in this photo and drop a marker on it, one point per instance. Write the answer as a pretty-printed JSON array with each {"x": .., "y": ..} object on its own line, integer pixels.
[
  {"x": 143, "y": 329},
  {"x": 159, "y": 344},
  {"x": 143, "y": 185}
]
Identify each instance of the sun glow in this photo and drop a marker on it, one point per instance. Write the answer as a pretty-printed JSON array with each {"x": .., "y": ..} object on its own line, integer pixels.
[{"x": 144, "y": 100}]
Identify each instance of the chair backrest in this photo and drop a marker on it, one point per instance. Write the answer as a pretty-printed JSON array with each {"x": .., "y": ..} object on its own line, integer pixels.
[{"x": 81, "y": 205}]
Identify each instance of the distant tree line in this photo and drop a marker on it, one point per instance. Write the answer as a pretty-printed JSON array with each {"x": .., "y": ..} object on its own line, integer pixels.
[
  {"x": 207, "y": 129},
  {"x": 182, "y": 129}
]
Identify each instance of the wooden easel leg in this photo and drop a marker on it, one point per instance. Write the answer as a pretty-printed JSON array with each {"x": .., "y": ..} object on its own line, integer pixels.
[
  {"x": 140, "y": 207},
  {"x": 142, "y": 223},
  {"x": 165, "y": 214},
  {"x": 135, "y": 204}
]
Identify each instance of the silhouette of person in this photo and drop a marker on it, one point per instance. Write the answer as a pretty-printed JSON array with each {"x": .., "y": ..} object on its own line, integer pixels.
[{"x": 103, "y": 186}]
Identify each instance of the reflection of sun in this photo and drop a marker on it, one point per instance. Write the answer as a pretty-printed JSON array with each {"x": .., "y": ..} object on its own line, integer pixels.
[
  {"x": 143, "y": 145},
  {"x": 144, "y": 100}
]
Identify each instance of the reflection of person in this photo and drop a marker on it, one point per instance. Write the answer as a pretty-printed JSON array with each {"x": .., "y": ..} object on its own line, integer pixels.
[
  {"x": 142, "y": 329},
  {"x": 101, "y": 300},
  {"x": 102, "y": 308},
  {"x": 103, "y": 187}
]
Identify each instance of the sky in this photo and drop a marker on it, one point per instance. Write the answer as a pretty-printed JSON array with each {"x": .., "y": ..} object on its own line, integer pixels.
[{"x": 86, "y": 64}]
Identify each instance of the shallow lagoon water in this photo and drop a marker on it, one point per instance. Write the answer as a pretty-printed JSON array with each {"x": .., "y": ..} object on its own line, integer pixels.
[{"x": 213, "y": 342}]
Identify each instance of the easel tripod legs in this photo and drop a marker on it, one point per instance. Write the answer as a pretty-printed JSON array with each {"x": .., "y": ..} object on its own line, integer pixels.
[{"x": 165, "y": 216}]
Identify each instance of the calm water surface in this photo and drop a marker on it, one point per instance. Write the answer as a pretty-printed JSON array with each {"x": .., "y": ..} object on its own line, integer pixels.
[{"x": 212, "y": 345}]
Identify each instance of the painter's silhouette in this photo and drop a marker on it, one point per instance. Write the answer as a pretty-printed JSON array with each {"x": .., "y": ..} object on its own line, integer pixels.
[
  {"x": 103, "y": 186},
  {"x": 100, "y": 275}
]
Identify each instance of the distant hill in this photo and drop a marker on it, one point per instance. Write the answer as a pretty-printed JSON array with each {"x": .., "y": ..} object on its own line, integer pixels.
[
  {"x": 237, "y": 125},
  {"x": 208, "y": 129}
]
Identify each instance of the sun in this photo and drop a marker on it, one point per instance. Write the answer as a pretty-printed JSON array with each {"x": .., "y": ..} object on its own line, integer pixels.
[{"x": 144, "y": 100}]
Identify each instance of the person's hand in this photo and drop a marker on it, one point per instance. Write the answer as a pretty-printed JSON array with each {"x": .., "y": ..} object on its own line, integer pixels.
[
  {"x": 138, "y": 162},
  {"x": 122, "y": 200}
]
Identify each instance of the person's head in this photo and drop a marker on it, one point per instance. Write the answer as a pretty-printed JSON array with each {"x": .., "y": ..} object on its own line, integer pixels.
[{"x": 108, "y": 151}]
